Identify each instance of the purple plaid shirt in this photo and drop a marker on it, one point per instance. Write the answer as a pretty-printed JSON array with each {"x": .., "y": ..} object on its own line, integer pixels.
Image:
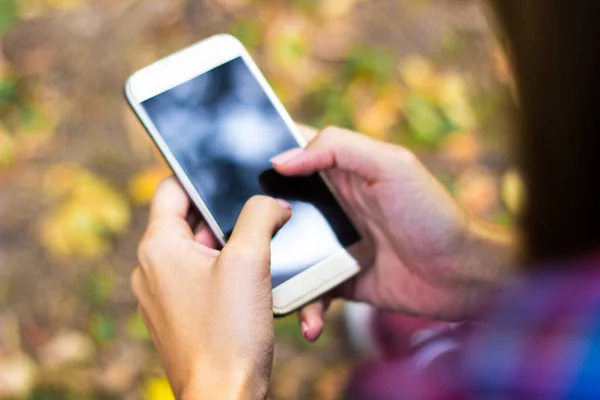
[{"x": 542, "y": 342}]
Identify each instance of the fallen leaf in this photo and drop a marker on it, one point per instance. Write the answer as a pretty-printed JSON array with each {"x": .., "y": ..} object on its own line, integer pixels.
[
  {"x": 158, "y": 389},
  {"x": 378, "y": 118},
  {"x": 513, "y": 191},
  {"x": 477, "y": 190},
  {"x": 425, "y": 121},
  {"x": 18, "y": 375},
  {"x": 89, "y": 214},
  {"x": 453, "y": 100},
  {"x": 118, "y": 377},
  {"x": 66, "y": 348},
  {"x": 10, "y": 333},
  {"x": 333, "y": 39},
  {"x": 102, "y": 328},
  {"x": 136, "y": 328},
  {"x": 8, "y": 14},
  {"x": 98, "y": 288},
  {"x": 7, "y": 148},
  {"x": 461, "y": 148},
  {"x": 331, "y": 382},
  {"x": 418, "y": 73},
  {"x": 144, "y": 183},
  {"x": 336, "y": 8}
]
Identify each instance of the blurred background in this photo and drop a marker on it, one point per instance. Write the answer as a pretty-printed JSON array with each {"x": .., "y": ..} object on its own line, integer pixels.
[{"x": 77, "y": 170}]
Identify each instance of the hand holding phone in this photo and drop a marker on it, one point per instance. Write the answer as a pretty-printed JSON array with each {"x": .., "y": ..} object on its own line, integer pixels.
[
  {"x": 218, "y": 124},
  {"x": 216, "y": 343}
]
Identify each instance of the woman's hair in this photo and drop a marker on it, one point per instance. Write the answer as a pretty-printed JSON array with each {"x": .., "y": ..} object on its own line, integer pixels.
[{"x": 555, "y": 46}]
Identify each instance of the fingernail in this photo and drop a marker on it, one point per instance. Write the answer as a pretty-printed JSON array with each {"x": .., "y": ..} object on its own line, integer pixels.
[
  {"x": 287, "y": 156},
  {"x": 305, "y": 330},
  {"x": 286, "y": 205}
]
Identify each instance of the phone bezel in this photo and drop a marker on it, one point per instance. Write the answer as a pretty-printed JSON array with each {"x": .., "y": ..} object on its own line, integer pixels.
[{"x": 195, "y": 60}]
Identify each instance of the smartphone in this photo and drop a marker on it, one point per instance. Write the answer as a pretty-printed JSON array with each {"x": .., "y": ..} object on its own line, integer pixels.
[{"x": 217, "y": 122}]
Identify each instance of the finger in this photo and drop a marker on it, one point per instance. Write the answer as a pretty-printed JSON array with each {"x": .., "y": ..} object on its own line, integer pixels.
[
  {"x": 260, "y": 219},
  {"x": 311, "y": 318},
  {"x": 170, "y": 205},
  {"x": 335, "y": 147},
  {"x": 170, "y": 200}
]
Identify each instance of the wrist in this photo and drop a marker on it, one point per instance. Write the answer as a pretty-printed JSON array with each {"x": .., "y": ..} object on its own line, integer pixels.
[
  {"x": 215, "y": 383},
  {"x": 490, "y": 252}
]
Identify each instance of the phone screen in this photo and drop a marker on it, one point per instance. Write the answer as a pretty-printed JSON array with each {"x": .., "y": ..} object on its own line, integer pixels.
[{"x": 223, "y": 130}]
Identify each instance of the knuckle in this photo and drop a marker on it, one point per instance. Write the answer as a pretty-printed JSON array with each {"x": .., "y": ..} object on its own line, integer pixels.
[
  {"x": 329, "y": 132},
  {"x": 242, "y": 252},
  {"x": 144, "y": 251},
  {"x": 405, "y": 156},
  {"x": 148, "y": 248}
]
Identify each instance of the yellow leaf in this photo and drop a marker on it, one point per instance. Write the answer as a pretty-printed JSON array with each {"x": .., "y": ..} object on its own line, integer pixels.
[
  {"x": 38, "y": 8},
  {"x": 377, "y": 119},
  {"x": 452, "y": 98},
  {"x": 336, "y": 8},
  {"x": 7, "y": 148},
  {"x": 89, "y": 213},
  {"x": 461, "y": 148},
  {"x": 65, "y": 4},
  {"x": 513, "y": 191},
  {"x": 143, "y": 184},
  {"x": 477, "y": 190},
  {"x": 417, "y": 72},
  {"x": 158, "y": 389},
  {"x": 18, "y": 375}
]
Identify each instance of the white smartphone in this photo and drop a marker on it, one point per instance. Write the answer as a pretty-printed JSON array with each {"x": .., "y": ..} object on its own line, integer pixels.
[{"x": 217, "y": 122}]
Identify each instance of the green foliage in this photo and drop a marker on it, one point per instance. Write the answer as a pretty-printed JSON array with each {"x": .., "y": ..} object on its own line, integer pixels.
[
  {"x": 46, "y": 392},
  {"x": 51, "y": 393},
  {"x": 135, "y": 328},
  {"x": 308, "y": 7},
  {"x": 102, "y": 328},
  {"x": 335, "y": 109},
  {"x": 98, "y": 288},
  {"x": 8, "y": 89},
  {"x": 8, "y": 14},
  {"x": 371, "y": 63},
  {"x": 425, "y": 121},
  {"x": 248, "y": 32},
  {"x": 504, "y": 219}
]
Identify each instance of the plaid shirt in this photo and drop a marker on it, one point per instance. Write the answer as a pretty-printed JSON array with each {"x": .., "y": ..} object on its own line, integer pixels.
[{"x": 542, "y": 342}]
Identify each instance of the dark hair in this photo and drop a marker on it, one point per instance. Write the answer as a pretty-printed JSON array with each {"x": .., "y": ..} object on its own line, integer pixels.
[{"x": 555, "y": 46}]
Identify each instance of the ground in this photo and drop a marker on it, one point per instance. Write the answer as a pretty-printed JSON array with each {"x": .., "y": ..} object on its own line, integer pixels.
[{"x": 77, "y": 170}]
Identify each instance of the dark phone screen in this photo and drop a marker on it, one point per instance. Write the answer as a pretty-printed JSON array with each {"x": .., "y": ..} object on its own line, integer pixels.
[{"x": 223, "y": 130}]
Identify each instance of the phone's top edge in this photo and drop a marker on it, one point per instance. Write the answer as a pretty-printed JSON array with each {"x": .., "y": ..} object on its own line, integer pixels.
[{"x": 221, "y": 47}]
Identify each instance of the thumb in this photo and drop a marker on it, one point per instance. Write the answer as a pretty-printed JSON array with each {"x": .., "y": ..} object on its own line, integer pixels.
[
  {"x": 250, "y": 241},
  {"x": 337, "y": 148}
]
